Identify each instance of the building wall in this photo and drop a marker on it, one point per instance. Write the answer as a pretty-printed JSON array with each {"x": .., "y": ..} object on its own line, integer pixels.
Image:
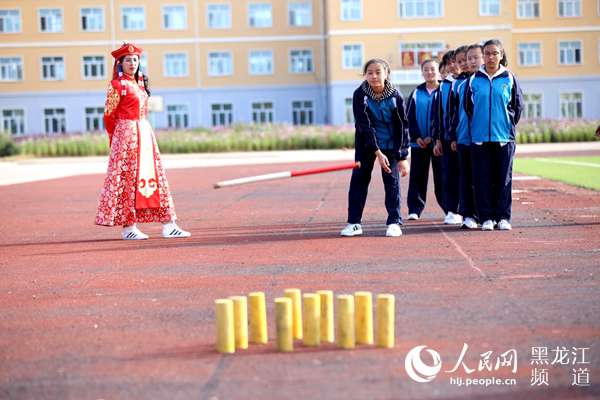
[{"x": 381, "y": 32}]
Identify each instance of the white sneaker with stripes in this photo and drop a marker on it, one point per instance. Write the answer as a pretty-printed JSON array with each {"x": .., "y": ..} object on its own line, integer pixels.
[
  {"x": 172, "y": 230},
  {"x": 133, "y": 233},
  {"x": 352, "y": 230}
]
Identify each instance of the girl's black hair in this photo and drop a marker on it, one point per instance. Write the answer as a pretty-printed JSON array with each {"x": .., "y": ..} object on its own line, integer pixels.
[
  {"x": 427, "y": 61},
  {"x": 137, "y": 74},
  {"x": 461, "y": 49},
  {"x": 379, "y": 61},
  {"x": 475, "y": 46},
  {"x": 449, "y": 56},
  {"x": 497, "y": 43}
]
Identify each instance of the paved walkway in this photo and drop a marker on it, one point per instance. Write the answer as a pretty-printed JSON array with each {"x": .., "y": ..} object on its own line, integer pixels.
[{"x": 38, "y": 169}]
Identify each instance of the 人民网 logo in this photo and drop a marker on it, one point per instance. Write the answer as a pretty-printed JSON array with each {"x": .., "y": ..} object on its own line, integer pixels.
[{"x": 417, "y": 369}]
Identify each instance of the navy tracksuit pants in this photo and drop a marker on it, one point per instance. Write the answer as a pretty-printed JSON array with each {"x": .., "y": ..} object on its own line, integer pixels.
[
  {"x": 466, "y": 202},
  {"x": 451, "y": 178},
  {"x": 419, "y": 175},
  {"x": 359, "y": 187},
  {"x": 492, "y": 179}
]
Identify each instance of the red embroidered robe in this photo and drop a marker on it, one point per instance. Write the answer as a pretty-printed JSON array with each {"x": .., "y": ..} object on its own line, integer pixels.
[{"x": 135, "y": 188}]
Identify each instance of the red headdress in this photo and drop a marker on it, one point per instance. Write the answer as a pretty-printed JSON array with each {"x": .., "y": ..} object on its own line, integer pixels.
[{"x": 125, "y": 50}]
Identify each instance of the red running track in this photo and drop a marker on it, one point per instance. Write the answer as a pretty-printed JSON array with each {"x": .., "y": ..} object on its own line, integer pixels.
[{"x": 84, "y": 315}]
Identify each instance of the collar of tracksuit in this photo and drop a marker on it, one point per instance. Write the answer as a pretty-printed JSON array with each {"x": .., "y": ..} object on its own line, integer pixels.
[
  {"x": 500, "y": 71},
  {"x": 388, "y": 91}
]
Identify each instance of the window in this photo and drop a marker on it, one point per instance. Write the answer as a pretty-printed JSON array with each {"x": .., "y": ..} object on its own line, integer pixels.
[
  {"x": 55, "y": 120},
  {"x": 94, "y": 119},
  {"x": 178, "y": 116},
  {"x": 53, "y": 68},
  {"x": 219, "y": 63},
  {"x": 261, "y": 62},
  {"x": 570, "y": 53},
  {"x": 133, "y": 18},
  {"x": 420, "y": 8},
  {"x": 11, "y": 69},
  {"x": 302, "y": 112},
  {"x": 528, "y": 8},
  {"x": 352, "y": 56},
  {"x": 219, "y": 16},
  {"x": 222, "y": 114},
  {"x": 93, "y": 67},
  {"x": 10, "y": 21},
  {"x": 413, "y": 54},
  {"x": 176, "y": 65},
  {"x": 569, "y": 8},
  {"x": 351, "y": 10},
  {"x": 260, "y": 15},
  {"x": 174, "y": 18},
  {"x": 51, "y": 20},
  {"x": 571, "y": 105},
  {"x": 262, "y": 113},
  {"x": 300, "y": 14},
  {"x": 348, "y": 111},
  {"x": 13, "y": 121},
  {"x": 301, "y": 61},
  {"x": 144, "y": 63},
  {"x": 489, "y": 7},
  {"x": 529, "y": 54},
  {"x": 92, "y": 19},
  {"x": 533, "y": 106}
]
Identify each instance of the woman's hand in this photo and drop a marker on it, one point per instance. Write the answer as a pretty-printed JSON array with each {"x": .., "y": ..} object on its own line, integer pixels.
[
  {"x": 383, "y": 161},
  {"x": 421, "y": 143},
  {"x": 427, "y": 140},
  {"x": 437, "y": 149},
  {"x": 453, "y": 146},
  {"x": 403, "y": 167}
]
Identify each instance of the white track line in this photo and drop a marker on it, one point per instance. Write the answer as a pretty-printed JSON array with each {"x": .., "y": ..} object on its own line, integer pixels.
[
  {"x": 464, "y": 254},
  {"x": 566, "y": 162}
]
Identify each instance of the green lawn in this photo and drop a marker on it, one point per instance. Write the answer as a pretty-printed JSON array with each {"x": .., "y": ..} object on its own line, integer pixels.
[{"x": 578, "y": 171}]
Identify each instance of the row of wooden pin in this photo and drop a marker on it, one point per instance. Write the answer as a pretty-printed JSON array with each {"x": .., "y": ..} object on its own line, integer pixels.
[{"x": 310, "y": 320}]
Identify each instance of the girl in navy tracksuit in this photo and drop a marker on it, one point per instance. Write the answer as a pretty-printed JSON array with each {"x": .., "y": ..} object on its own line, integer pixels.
[
  {"x": 461, "y": 135},
  {"x": 420, "y": 114},
  {"x": 493, "y": 102},
  {"x": 444, "y": 145},
  {"x": 381, "y": 133}
]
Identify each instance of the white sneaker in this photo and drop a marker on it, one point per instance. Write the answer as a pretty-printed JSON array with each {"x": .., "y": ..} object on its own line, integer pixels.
[
  {"x": 469, "y": 223},
  {"x": 171, "y": 230},
  {"x": 351, "y": 230},
  {"x": 453, "y": 219},
  {"x": 133, "y": 233},
  {"x": 504, "y": 225},
  {"x": 487, "y": 225},
  {"x": 393, "y": 230},
  {"x": 413, "y": 217}
]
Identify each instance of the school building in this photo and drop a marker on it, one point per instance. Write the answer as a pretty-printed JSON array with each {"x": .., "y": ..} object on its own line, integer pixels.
[{"x": 218, "y": 62}]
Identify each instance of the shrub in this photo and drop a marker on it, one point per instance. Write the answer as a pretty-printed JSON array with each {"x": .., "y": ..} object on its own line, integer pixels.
[
  {"x": 8, "y": 147},
  {"x": 272, "y": 137}
]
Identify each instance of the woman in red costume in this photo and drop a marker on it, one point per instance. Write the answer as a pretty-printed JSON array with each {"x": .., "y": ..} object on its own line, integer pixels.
[{"x": 135, "y": 188}]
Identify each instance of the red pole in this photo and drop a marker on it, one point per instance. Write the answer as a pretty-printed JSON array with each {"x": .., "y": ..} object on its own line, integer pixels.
[
  {"x": 285, "y": 174},
  {"x": 311, "y": 171}
]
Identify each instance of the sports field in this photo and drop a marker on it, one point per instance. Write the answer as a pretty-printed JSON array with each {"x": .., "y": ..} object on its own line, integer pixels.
[
  {"x": 579, "y": 170},
  {"x": 84, "y": 315}
]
